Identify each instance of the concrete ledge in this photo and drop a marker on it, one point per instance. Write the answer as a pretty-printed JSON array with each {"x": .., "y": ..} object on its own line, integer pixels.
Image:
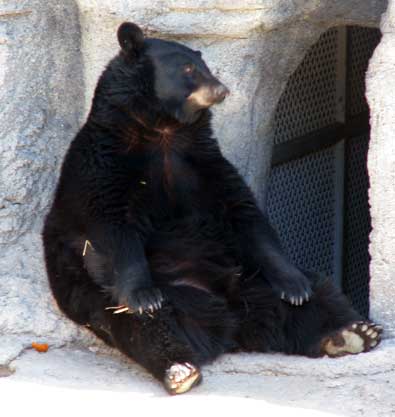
[{"x": 100, "y": 382}]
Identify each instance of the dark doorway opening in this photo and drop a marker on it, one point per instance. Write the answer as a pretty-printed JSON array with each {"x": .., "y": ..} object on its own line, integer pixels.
[{"x": 318, "y": 189}]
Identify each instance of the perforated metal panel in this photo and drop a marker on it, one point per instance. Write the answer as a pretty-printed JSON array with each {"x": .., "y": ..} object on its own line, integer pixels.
[
  {"x": 309, "y": 101},
  {"x": 319, "y": 203},
  {"x": 361, "y": 44},
  {"x": 301, "y": 206},
  {"x": 357, "y": 225}
]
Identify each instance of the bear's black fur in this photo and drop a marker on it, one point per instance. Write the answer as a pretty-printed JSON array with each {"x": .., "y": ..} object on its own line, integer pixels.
[{"x": 149, "y": 216}]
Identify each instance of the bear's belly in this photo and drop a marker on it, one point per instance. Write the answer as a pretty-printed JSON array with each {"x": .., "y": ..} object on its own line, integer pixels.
[
  {"x": 197, "y": 251},
  {"x": 189, "y": 241}
]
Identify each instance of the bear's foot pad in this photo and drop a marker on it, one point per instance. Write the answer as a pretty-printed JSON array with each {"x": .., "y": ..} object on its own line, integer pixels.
[
  {"x": 181, "y": 377},
  {"x": 357, "y": 337}
]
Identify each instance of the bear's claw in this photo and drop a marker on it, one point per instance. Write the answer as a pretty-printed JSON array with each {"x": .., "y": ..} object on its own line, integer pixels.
[
  {"x": 145, "y": 300},
  {"x": 360, "y": 336},
  {"x": 181, "y": 377},
  {"x": 295, "y": 290}
]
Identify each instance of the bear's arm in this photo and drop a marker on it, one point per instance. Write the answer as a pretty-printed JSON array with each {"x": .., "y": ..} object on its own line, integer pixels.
[
  {"x": 258, "y": 241},
  {"x": 120, "y": 247},
  {"x": 97, "y": 191}
]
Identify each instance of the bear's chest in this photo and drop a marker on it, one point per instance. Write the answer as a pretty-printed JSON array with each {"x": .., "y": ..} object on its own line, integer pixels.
[{"x": 169, "y": 183}]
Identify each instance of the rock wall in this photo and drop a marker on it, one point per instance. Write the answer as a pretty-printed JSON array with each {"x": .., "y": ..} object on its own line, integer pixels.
[
  {"x": 41, "y": 96},
  {"x": 51, "y": 54},
  {"x": 381, "y": 165}
]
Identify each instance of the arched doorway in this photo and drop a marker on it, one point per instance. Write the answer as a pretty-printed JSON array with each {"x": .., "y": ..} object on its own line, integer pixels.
[{"x": 318, "y": 189}]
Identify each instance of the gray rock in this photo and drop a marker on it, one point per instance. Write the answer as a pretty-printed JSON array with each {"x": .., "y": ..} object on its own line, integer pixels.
[
  {"x": 41, "y": 95},
  {"x": 381, "y": 165}
]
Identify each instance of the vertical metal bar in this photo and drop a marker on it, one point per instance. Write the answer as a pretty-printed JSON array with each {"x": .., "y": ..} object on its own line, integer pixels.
[{"x": 339, "y": 180}]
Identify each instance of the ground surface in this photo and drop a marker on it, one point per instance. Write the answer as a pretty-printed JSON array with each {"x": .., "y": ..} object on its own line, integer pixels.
[{"x": 101, "y": 382}]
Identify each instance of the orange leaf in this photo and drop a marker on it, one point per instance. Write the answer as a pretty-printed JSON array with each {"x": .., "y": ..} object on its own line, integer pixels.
[{"x": 40, "y": 347}]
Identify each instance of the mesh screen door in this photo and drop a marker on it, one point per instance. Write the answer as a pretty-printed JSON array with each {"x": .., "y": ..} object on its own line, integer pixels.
[{"x": 318, "y": 190}]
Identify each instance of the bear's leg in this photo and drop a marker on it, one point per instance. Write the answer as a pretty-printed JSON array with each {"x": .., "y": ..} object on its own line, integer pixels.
[
  {"x": 147, "y": 340},
  {"x": 329, "y": 325},
  {"x": 76, "y": 294},
  {"x": 155, "y": 342},
  {"x": 326, "y": 325},
  {"x": 192, "y": 328}
]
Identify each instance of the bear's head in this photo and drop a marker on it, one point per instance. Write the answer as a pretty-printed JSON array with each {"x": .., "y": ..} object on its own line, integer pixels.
[{"x": 162, "y": 76}]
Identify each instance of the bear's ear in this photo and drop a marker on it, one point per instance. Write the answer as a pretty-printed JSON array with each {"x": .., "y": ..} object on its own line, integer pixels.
[{"x": 130, "y": 37}]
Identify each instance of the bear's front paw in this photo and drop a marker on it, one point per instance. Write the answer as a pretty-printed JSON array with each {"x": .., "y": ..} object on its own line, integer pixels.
[
  {"x": 294, "y": 289},
  {"x": 143, "y": 300}
]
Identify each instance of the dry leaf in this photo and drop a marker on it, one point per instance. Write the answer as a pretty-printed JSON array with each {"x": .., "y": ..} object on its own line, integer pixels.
[{"x": 40, "y": 347}]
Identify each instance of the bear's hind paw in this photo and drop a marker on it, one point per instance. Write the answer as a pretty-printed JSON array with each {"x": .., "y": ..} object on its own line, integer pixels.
[
  {"x": 181, "y": 377},
  {"x": 357, "y": 337}
]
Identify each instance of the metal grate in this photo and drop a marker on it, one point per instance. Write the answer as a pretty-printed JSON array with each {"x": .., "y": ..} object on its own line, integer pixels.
[
  {"x": 306, "y": 195},
  {"x": 309, "y": 101},
  {"x": 361, "y": 43},
  {"x": 357, "y": 225},
  {"x": 301, "y": 207}
]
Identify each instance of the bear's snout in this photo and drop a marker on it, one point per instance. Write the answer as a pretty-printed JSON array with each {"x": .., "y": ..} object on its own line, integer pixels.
[
  {"x": 208, "y": 95},
  {"x": 220, "y": 92}
]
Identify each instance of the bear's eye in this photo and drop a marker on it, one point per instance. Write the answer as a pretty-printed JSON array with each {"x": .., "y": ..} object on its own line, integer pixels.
[{"x": 189, "y": 68}]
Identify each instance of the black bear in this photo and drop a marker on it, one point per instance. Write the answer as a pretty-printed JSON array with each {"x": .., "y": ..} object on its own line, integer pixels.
[{"x": 157, "y": 245}]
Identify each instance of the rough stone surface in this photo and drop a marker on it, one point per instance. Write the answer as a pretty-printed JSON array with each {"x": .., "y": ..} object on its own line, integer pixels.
[
  {"x": 51, "y": 54},
  {"x": 381, "y": 164},
  {"x": 41, "y": 97},
  {"x": 41, "y": 105}
]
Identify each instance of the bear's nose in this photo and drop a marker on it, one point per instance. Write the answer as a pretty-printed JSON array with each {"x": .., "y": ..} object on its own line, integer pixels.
[{"x": 220, "y": 92}]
